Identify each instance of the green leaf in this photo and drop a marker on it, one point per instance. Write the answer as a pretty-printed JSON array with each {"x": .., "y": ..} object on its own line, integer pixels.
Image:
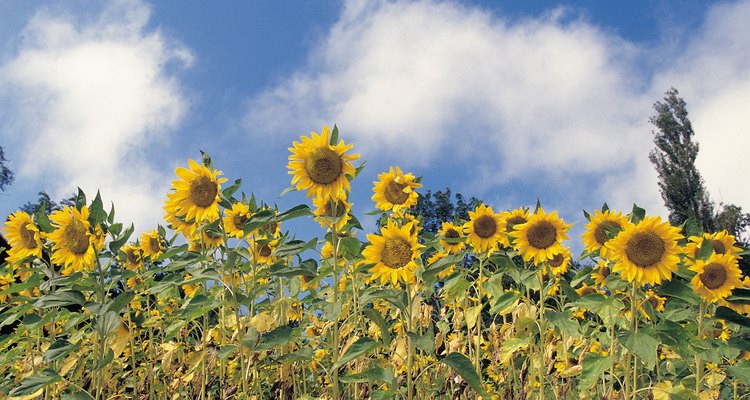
[
  {"x": 583, "y": 274},
  {"x": 707, "y": 248},
  {"x": 97, "y": 214},
  {"x": 304, "y": 354},
  {"x": 120, "y": 302},
  {"x": 463, "y": 366},
  {"x": 504, "y": 301},
  {"x": 741, "y": 371},
  {"x": 334, "y": 136},
  {"x": 678, "y": 289},
  {"x": 643, "y": 345},
  {"x": 35, "y": 382},
  {"x": 350, "y": 247},
  {"x": 80, "y": 199},
  {"x": 228, "y": 192},
  {"x": 378, "y": 319},
  {"x": 42, "y": 220},
  {"x": 61, "y": 298},
  {"x": 609, "y": 310},
  {"x": 76, "y": 396},
  {"x": 471, "y": 315},
  {"x": 589, "y": 302},
  {"x": 362, "y": 346},
  {"x": 383, "y": 394},
  {"x": 391, "y": 295},
  {"x": 594, "y": 366},
  {"x": 107, "y": 322},
  {"x": 116, "y": 244},
  {"x": 511, "y": 346},
  {"x": 693, "y": 227},
  {"x": 637, "y": 215},
  {"x": 424, "y": 342},
  {"x": 564, "y": 322},
  {"x": 301, "y": 210},
  {"x": 59, "y": 349},
  {"x": 730, "y": 315},
  {"x": 371, "y": 375},
  {"x": 740, "y": 296},
  {"x": 431, "y": 272},
  {"x": 277, "y": 337}
]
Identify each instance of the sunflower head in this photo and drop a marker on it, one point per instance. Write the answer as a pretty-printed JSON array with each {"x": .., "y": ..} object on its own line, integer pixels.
[
  {"x": 560, "y": 262},
  {"x": 600, "y": 273},
  {"x": 515, "y": 217},
  {"x": 451, "y": 237},
  {"x": 485, "y": 230},
  {"x": 235, "y": 219},
  {"x": 73, "y": 239},
  {"x": 602, "y": 227},
  {"x": 540, "y": 238},
  {"x": 721, "y": 243},
  {"x": 151, "y": 244},
  {"x": 394, "y": 253},
  {"x": 23, "y": 237},
  {"x": 655, "y": 301},
  {"x": 647, "y": 252},
  {"x": 263, "y": 250},
  {"x": 195, "y": 198},
  {"x": 132, "y": 257},
  {"x": 321, "y": 167},
  {"x": 394, "y": 190},
  {"x": 332, "y": 213},
  {"x": 716, "y": 277}
]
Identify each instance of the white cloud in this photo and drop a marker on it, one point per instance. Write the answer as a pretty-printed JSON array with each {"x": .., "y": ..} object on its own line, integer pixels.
[
  {"x": 91, "y": 99},
  {"x": 552, "y": 98},
  {"x": 713, "y": 76}
]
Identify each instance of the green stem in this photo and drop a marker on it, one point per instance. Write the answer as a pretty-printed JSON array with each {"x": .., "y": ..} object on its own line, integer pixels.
[
  {"x": 632, "y": 359},
  {"x": 542, "y": 332},
  {"x": 698, "y": 358},
  {"x": 335, "y": 350}
]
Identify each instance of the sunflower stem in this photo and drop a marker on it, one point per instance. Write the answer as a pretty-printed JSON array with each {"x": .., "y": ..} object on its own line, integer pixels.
[
  {"x": 542, "y": 331},
  {"x": 335, "y": 352},
  {"x": 698, "y": 358}
]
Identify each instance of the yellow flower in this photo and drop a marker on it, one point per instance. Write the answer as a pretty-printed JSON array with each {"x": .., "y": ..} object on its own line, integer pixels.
[
  {"x": 151, "y": 244},
  {"x": 196, "y": 194},
  {"x": 23, "y": 237},
  {"x": 437, "y": 257},
  {"x": 319, "y": 167},
  {"x": 722, "y": 243},
  {"x": 451, "y": 235},
  {"x": 234, "y": 220},
  {"x": 595, "y": 237},
  {"x": 133, "y": 257},
  {"x": 190, "y": 288},
  {"x": 262, "y": 322},
  {"x": 586, "y": 289},
  {"x": 540, "y": 238},
  {"x": 73, "y": 240},
  {"x": 739, "y": 307},
  {"x": 716, "y": 277},
  {"x": 263, "y": 249},
  {"x": 485, "y": 230},
  {"x": 646, "y": 253},
  {"x": 515, "y": 217},
  {"x": 394, "y": 191},
  {"x": 332, "y": 213},
  {"x": 560, "y": 262},
  {"x": 601, "y": 272},
  {"x": 657, "y": 303},
  {"x": 394, "y": 253}
]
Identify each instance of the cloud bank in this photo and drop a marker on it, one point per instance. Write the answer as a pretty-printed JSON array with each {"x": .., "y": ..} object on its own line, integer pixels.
[
  {"x": 552, "y": 103},
  {"x": 90, "y": 98}
]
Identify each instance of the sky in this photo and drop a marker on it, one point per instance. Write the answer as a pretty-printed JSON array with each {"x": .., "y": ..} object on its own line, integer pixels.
[{"x": 508, "y": 101}]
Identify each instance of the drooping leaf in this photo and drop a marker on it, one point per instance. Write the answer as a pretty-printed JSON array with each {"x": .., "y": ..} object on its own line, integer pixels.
[
  {"x": 35, "y": 382},
  {"x": 362, "y": 346},
  {"x": 594, "y": 366},
  {"x": 59, "y": 349},
  {"x": 644, "y": 345},
  {"x": 371, "y": 375},
  {"x": 277, "y": 337},
  {"x": 463, "y": 366}
]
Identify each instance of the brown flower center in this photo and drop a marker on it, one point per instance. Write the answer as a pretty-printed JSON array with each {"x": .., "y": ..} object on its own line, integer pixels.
[
  {"x": 600, "y": 232},
  {"x": 719, "y": 247},
  {"x": 27, "y": 237},
  {"x": 396, "y": 253},
  {"x": 75, "y": 237},
  {"x": 154, "y": 244},
  {"x": 132, "y": 256},
  {"x": 485, "y": 226},
  {"x": 586, "y": 290},
  {"x": 654, "y": 302},
  {"x": 452, "y": 234},
  {"x": 324, "y": 166},
  {"x": 604, "y": 271},
  {"x": 514, "y": 220},
  {"x": 239, "y": 220},
  {"x": 394, "y": 193},
  {"x": 542, "y": 234},
  {"x": 203, "y": 191},
  {"x": 556, "y": 260},
  {"x": 644, "y": 249},
  {"x": 714, "y": 275},
  {"x": 264, "y": 250}
]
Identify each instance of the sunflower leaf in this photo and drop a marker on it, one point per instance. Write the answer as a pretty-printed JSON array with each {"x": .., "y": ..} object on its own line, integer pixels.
[
  {"x": 740, "y": 296},
  {"x": 116, "y": 245},
  {"x": 277, "y": 337},
  {"x": 371, "y": 375},
  {"x": 97, "y": 215},
  {"x": 463, "y": 366},
  {"x": 334, "y": 136},
  {"x": 378, "y": 319},
  {"x": 643, "y": 345},
  {"x": 730, "y": 315},
  {"x": 362, "y": 346},
  {"x": 301, "y": 210},
  {"x": 707, "y": 249},
  {"x": 42, "y": 220},
  {"x": 80, "y": 199},
  {"x": 637, "y": 215},
  {"x": 594, "y": 366},
  {"x": 35, "y": 382},
  {"x": 680, "y": 290}
]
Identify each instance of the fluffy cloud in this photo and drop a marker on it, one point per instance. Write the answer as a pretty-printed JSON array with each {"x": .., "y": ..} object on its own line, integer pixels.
[
  {"x": 553, "y": 99},
  {"x": 89, "y": 100}
]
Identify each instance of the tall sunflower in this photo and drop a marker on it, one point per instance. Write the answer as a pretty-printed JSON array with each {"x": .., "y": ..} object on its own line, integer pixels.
[
  {"x": 596, "y": 236},
  {"x": 601, "y": 272},
  {"x": 23, "y": 237},
  {"x": 332, "y": 213},
  {"x": 196, "y": 194},
  {"x": 151, "y": 244},
  {"x": 394, "y": 253},
  {"x": 540, "y": 238},
  {"x": 739, "y": 307},
  {"x": 485, "y": 230},
  {"x": 394, "y": 191},
  {"x": 319, "y": 167},
  {"x": 560, "y": 262},
  {"x": 647, "y": 252},
  {"x": 722, "y": 243},
  {"x": 451, "y": 234},
  {"x": 73, "y": 240},
  {"x": 133, "y": 259},
  {"x": 716, "y": 277},
  {"x": 515, "y": 217},
  {"x": 235, "y": 219}
]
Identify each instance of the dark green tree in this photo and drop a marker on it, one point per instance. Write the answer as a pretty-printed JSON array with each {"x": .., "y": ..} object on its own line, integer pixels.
[
  {"x": 680, "y": 183},
  {"x": 49, "y": 204},
  {"x": 6, "y": 175},
  {"x": 440, "y": 206}
]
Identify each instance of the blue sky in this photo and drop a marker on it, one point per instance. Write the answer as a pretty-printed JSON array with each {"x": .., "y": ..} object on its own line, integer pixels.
[{"x": 510, "y": 101}]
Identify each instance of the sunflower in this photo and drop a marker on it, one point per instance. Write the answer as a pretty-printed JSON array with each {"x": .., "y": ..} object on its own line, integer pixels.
[
  {"x": 178, "y": 223},
  {"x": 205, "y": 239},
  {"x": 657, "y": 303},
  {"x": 263, "y": 250},
  {"x": 394, "y": 253},
  {"x": 196, "y": 194},
  {"x": 540, "y": 238},
  {"x": 133, "y": 257},
  {"x": 722, "y": 243},
  {"x": 332, "y": 213},
  {"x": 647, "y": 252},
  {"x": 485, "y": 230},
  {"x": 596, "y": 235},
  {"x": 451, "y": 232},
  {"x": 739, "y": 307},
  {"x": 600, "y": 273},
  {"x": 586, "y": 289},
  {"x": 394, "y": 191},
  {"x": 319, "y": 167},
  {"x": 515, "y": 217},
  {"x": 716, "y": 277},
  {"x": 234, "y": 220},
  {"x": 73, "y": 241},
  {"x": 437, "y": 257},
  {"x": 560, "y": 262},
  {"x": 151, "y": 244},
  {"x": 23, "y": 237}
]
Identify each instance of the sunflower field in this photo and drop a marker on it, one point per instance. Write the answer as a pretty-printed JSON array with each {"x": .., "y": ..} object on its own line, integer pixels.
[{"x": 221, "y": 302}]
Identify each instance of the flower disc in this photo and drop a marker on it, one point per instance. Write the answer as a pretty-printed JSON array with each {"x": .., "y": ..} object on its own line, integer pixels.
[
  {"x": 235, "y": 219},
  {"x": 196, "y": 195},
  {"x": 451, "y": 234},
  {"x": 151, "y": 244}
]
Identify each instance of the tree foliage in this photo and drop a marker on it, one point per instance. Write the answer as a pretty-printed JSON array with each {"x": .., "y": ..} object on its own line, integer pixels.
[
  {"x": 6, "y": 175},
  {"x": 439, "y": 206},
  {"x": 49, "y": 204}
]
